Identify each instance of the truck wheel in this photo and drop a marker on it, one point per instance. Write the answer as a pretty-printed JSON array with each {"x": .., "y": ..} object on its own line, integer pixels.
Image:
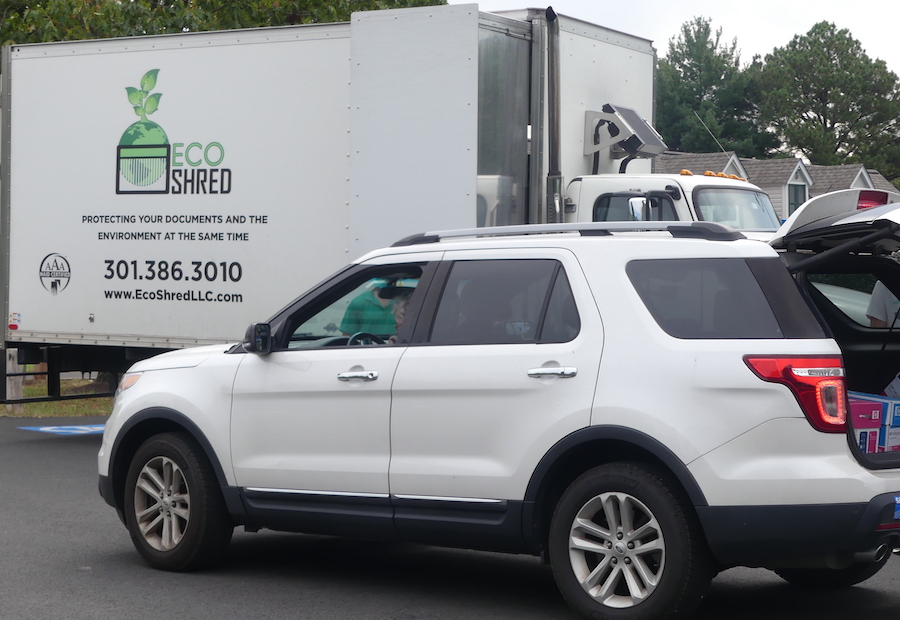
[
  {"x": 832, "y": 579},
  {"x": 174, "y": 508},
  {"x": 624, "y": 546}
]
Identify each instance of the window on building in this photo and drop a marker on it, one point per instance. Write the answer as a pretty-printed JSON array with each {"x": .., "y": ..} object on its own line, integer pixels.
[{"x": 796, "y": 196}]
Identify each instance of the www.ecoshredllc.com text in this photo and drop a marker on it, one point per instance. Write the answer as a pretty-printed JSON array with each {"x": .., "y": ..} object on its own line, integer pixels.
[{"x": 166, "y": 295}]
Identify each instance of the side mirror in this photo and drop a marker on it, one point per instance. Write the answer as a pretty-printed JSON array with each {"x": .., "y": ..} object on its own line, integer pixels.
[
  {"x": 639, "y": 209},
  {"x": 258, "y": 339},
  {"x": 674, "y": 192}
]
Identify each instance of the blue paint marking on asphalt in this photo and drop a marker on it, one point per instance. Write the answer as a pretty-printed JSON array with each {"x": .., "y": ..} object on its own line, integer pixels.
[{"x": 87, "y": 429}]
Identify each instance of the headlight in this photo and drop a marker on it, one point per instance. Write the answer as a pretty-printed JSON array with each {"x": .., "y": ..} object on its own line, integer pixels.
[{"x": 128, "y": 379}]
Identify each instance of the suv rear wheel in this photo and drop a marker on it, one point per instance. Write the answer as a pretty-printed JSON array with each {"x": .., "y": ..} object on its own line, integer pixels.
[
  {"x": 174, "y": 509},
  {"x": 623, "y": 545}
]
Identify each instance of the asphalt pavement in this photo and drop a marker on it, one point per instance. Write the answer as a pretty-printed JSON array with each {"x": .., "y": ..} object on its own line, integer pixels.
[{"x": 65, "y": 555}]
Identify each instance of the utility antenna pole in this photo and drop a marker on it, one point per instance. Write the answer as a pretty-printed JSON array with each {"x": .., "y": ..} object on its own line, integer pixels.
[{"x": 709, "y": 132}]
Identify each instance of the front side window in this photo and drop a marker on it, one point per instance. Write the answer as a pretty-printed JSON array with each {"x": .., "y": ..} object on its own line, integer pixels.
[
  {"x": 742, "y": 209},
  {"x": 505, "y": 302},
  {"x": 366, "y": 309}
]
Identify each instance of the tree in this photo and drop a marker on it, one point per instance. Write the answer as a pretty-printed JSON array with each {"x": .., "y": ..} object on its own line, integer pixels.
[
  {"x": 700, "y": 81},
  {"x": 828, "y": 100},
  {"x": 33, "y": 21}
]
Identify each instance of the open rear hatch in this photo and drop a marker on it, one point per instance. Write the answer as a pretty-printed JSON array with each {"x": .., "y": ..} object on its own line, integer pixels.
[
  {"x": 825, "y": 214},
  {"x": 843, "y": 249}
]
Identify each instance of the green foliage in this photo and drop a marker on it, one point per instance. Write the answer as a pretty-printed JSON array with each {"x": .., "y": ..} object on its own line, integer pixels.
[
  {"x": 144, "y": 103},
  {"x": 827, "y": 99},
  {"x": 35, "y": 388},
  {"x": 820, "y": 95},
  {"x": 701, "y": 81},
  {"x": 36, "y": 21}
]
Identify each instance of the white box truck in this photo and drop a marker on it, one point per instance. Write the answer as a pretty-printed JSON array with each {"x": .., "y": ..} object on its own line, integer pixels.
[{"x": 163, "y": 192}]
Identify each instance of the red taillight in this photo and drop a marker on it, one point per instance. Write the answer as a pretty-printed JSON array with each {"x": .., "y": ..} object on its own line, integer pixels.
[
  {"x": 817, "y": 382},
  {"x": 871, "y": 198}
]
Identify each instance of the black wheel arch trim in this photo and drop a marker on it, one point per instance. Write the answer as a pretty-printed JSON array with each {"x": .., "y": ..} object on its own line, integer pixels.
[
  {"x": 622, "y": 435},
  {"x": 231, "y": 494}
]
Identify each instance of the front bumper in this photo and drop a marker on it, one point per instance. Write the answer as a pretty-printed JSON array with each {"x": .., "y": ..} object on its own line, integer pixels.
[{"x": 108, "y": 494}]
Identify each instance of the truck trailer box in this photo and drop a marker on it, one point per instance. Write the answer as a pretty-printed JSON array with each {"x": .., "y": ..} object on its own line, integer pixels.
[{"x": 166, "y": 191}]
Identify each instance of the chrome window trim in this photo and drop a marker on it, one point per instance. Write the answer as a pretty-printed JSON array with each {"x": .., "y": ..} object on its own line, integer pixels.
[
  {"x": 430, "y": 498},
  {"x": 319, "y": 493},
  {"x": 435, "y": 498}
]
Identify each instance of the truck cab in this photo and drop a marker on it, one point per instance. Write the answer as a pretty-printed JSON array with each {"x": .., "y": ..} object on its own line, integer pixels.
[{"x": 711, "y": 197}]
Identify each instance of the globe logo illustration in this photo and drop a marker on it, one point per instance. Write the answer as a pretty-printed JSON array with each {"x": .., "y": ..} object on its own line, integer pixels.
[
  {"x": 143, "y": 152},
  {"x": 144, "y": 166}
]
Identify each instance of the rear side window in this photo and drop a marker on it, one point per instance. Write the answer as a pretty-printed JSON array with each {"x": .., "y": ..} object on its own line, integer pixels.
[
  {"x": 561, "y": 322},
  {"x": 505, "y": 302},
  {"x": 631, "y": 208},
  {"x": 706, "y": 298}
]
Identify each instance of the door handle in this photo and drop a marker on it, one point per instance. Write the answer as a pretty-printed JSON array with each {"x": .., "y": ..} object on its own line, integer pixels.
[
  {"x": 364, "y": 375},
  {"x": 563, "y": 372}
]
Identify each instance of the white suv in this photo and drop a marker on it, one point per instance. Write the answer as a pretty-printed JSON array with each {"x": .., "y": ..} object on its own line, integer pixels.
[{"x": 644, "y": 408}]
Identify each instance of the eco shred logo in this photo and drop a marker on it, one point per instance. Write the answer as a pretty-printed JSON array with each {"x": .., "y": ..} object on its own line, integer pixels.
[
  {"x": 144, "y": 150},
  {"x": 147, "y": 163}
]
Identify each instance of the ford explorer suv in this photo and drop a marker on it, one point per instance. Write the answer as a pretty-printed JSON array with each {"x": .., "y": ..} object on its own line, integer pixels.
[{"x": 643, "y": 407}]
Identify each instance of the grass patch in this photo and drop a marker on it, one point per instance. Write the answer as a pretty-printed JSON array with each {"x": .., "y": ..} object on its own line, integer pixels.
[{"x": 82, "y": 407}]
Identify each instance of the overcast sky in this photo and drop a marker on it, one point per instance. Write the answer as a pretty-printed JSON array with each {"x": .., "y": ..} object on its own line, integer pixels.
[{"x": 758, "y": 26}]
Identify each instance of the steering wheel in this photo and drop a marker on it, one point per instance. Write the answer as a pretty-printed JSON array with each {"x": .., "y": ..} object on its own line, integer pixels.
[{"x": 364, "y": 338}]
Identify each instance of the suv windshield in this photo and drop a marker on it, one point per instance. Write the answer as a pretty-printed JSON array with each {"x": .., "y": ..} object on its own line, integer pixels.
[{"x": 739, "y": 208}]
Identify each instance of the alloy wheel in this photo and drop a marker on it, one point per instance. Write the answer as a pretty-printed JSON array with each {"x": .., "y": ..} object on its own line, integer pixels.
[
  {"x": 617, "y": 550},
  {"x": 162, "y": 503}
]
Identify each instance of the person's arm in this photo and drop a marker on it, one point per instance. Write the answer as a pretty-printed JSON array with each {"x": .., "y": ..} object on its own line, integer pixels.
[
  {"x": 873, "y": 322},
  {"x": 876, "y": 311}
]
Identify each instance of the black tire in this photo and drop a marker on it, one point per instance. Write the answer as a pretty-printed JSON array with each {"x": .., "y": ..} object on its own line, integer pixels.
[
  {"x": 653, "y": 564},
  {"x": 832, "y": 579},
  {"x": 174, "y": 508}
]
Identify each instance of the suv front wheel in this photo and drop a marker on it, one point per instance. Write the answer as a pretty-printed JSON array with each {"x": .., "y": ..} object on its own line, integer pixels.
[
  {"x": 623, "y": 545},
  {"x": 174, "y": 508}
]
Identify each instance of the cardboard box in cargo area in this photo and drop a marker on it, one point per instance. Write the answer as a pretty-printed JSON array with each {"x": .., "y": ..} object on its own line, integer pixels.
[{"x": 876, "y": 422}]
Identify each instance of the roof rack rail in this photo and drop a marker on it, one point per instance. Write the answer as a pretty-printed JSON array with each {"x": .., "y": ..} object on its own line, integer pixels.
[{"x": 712, "y": 231}]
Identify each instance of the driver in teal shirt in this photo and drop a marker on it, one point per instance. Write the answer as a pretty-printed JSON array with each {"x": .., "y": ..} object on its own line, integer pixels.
[{"x": 370, "y": 313}]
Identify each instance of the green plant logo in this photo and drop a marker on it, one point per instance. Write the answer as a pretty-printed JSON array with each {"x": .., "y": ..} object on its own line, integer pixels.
[{"x": 143, "y": 151}]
